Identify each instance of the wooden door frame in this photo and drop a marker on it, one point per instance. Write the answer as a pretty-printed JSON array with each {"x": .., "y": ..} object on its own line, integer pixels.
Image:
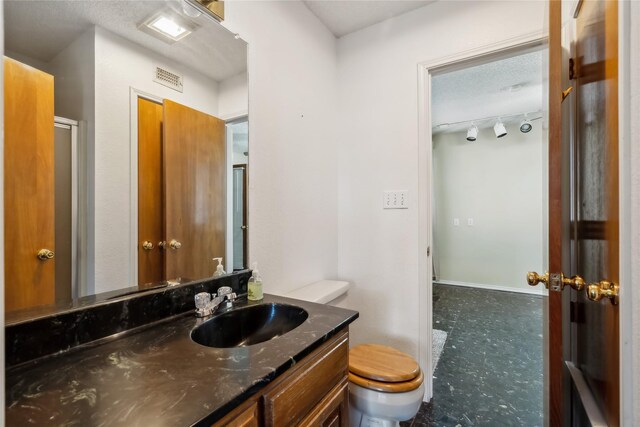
[
  {"x": 425, "y": 168},
  {"x": 134, "y": 94}
]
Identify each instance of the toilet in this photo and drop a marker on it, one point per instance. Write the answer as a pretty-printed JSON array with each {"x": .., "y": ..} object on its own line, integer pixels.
[{"x": 386, "y": 386}]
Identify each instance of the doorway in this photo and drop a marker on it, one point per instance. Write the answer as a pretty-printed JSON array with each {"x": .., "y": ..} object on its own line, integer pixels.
[
  {"x": 432, "y": 266},
  {"x": 489, "y": 226}
]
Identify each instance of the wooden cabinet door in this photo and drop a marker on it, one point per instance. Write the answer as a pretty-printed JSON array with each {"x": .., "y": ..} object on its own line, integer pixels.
[
  {"x": 195, "y": 191},
  {"x": 29, "y": 210},
  {"x": 333, "y": 410}
]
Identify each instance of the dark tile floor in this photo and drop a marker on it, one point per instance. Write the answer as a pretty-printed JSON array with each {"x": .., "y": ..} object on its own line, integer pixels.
[{"x": 490, "y": 371}]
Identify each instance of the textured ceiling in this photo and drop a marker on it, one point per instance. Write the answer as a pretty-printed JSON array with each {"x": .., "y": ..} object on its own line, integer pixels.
[
  {"x": 507, "y": 86},
  {"x": 41, "y": 29},
  {"x": 344, "y": 17}
]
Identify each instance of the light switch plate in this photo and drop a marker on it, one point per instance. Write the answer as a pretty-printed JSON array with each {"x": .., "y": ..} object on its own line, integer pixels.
[{"x": 395, "y": 199}]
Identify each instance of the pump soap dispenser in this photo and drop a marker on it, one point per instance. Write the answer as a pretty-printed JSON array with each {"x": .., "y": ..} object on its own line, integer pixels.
[
  {"x": 220, "y": 268},
  {"x": 255, "y": 285}
]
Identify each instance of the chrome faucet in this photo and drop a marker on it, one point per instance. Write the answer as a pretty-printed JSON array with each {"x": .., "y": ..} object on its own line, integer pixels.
[{"x": 207, "y": 304}]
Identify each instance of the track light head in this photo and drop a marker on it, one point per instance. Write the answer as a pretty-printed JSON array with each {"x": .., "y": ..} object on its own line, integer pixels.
[
  {"x": 472, "y": 133},
  {"x": 499, "y": 129},
  {"x": 525, "y": 125}
]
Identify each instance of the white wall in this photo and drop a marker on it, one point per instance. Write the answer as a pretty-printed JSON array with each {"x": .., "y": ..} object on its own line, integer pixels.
[
  {"x": 630, "y": 211},
  {"x": 499, "y": 184},
  {"x": 293, "y": 167},
  {"x": 233, "y": 97},
  {"x": 120, "y": 65},
  {"x": 378, "y": 148},
  {"x": 74, "y": 79}
]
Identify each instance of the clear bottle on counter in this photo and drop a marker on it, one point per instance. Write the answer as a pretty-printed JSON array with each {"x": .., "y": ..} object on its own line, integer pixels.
[
  {"x": 220, "y": 268},
  {"x": 255, "y": 285}
]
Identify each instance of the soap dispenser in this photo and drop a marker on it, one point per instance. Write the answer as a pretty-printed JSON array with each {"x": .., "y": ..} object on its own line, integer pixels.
[
  {"x": 220, "y": 268},
  {"x": 255, "y": 285}
]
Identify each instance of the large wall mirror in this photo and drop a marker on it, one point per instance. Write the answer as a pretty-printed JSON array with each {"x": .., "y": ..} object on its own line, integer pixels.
[{"x": 126, "y": 149}]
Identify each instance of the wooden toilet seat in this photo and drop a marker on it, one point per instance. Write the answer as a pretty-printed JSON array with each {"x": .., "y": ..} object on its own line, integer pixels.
[{"x": 382, "y": 368}]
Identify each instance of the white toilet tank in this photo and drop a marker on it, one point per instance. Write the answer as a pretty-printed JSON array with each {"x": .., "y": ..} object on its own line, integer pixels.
[{"x": 322, "y": 292}]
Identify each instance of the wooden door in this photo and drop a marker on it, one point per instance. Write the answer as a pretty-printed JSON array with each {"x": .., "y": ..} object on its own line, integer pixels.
[
  {"x": 28, "y": 186},
  {"x": 583, "y": 328},
  {"x": 150, "y": 193},
  {"x": 595, "y": 332},
  {"x": 195, "y": 193}
]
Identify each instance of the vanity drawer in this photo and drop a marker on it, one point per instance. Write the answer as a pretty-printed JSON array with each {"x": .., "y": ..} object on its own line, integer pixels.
[
  {"x": 241, "y": 417},
  {"x": 297, "y": 395}
]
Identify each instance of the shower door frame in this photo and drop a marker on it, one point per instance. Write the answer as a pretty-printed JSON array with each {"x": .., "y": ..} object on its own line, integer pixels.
[{"x": 72, "y": 125}]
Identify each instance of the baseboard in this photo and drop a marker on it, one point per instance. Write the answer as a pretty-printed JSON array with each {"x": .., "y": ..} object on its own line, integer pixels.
[{"x": 533, "y": 291}]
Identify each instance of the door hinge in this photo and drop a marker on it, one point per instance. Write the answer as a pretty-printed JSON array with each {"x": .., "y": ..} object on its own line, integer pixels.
[
  {"x": 572, "y": 69},
  {"x": 428, "y": 250}
]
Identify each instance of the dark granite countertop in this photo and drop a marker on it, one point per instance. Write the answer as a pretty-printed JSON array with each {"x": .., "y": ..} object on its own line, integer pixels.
[{"x": 159, "y": 376}]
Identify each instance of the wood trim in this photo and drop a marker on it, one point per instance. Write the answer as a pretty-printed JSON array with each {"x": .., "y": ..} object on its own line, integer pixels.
[{"x": 555, "y": 357}]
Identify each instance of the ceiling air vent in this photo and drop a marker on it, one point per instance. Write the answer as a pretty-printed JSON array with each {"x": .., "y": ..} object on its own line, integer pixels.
[{"x": 168, "y": 79}]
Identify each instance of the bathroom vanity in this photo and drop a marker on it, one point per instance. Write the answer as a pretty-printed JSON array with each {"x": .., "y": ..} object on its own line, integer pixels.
[{"x": 156, "y": 374}]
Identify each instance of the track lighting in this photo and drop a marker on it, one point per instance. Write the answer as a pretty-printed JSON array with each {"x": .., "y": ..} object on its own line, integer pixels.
[
  {"x": 472, "y": 133},
  {"x": 499, "y": 129},
  {"x": 525, "y": 125}
]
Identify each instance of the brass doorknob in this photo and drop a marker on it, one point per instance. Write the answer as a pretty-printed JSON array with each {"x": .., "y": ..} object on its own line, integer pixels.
[
  {"x": 594, "y": 291},
  {"x": 174, "y": 244},
  {"x": 162, "y": 244},
  {"x": 555, "y": 281},
  {"x": 45, "y": 254},
  {"x": 603, "y": 289},
  {"x": 147, "y": 245}
]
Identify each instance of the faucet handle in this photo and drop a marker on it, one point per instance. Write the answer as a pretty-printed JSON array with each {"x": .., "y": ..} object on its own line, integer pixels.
[
  {"x": 202, "y": 299},
  {"x": 224, "y": 290}
]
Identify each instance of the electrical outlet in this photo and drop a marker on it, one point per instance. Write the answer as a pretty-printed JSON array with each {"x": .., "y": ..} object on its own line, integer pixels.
[
  {"x": 470, "y": 222},
  {"x": 395, "y": 199},
  {"x": 456, "y": 222}
]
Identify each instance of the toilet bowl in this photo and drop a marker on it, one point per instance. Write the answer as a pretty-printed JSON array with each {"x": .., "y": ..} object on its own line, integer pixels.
[{"x": 386, "y": 386}]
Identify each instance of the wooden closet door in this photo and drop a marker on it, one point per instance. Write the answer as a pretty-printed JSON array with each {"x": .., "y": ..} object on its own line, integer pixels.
[
  {"x": 195, "y": 193},
  {"x": 150, "y": 193},
  {"x": 28, "y": 186}
]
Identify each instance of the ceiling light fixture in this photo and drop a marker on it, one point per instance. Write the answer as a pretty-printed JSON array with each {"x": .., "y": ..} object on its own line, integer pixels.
[
  {"x": 499, "y": 129},
  {"x": 525, "y": 125},
  {"x": 168, "y": 26},
  {"x": 472, "y": 133}
]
